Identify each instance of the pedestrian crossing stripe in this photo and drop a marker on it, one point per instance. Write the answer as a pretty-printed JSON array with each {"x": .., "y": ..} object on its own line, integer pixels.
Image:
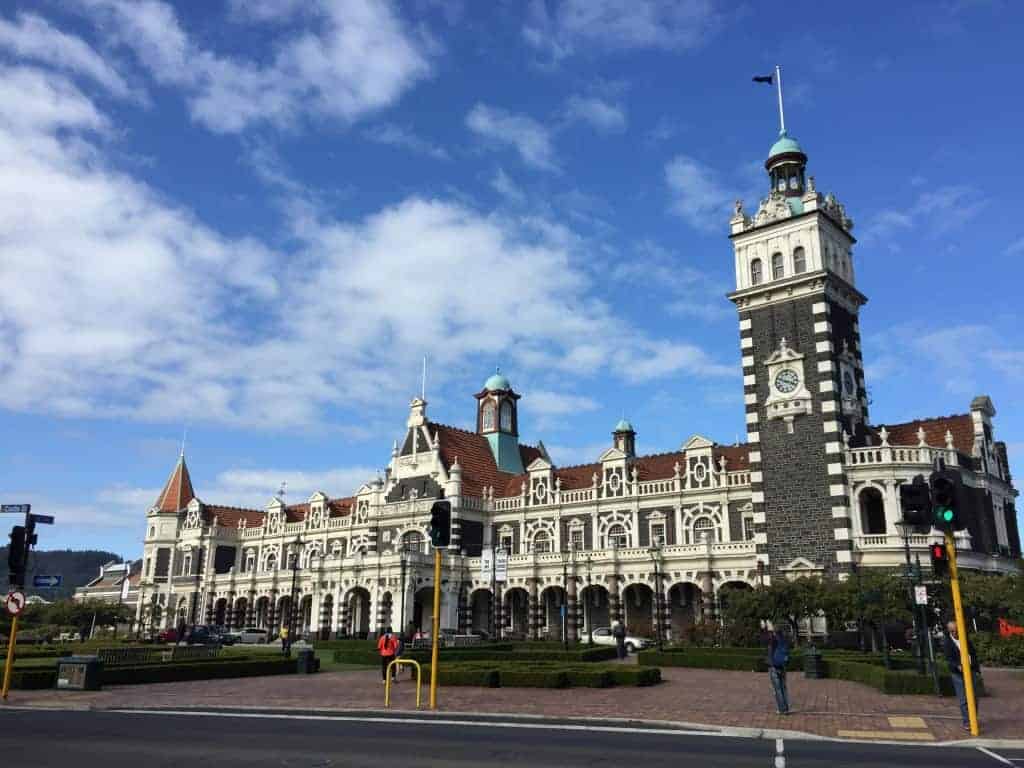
[{"x": 892, "y": 735}]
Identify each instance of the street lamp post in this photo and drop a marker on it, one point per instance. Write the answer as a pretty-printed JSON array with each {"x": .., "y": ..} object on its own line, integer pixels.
[
  {"x": 402, "y": 628},
  {"x": 655, "y": 553},
  {"x": 586, "y": 603},
  {"x": 286, "y": 645},
  {"x": 565, "y": 600},
  {"x": 905, "y": 532}
]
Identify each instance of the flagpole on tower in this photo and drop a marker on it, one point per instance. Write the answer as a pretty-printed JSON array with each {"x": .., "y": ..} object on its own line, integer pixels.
[
  {"x": 781, "y": 114},
  {"x": 423, "y": 382}
]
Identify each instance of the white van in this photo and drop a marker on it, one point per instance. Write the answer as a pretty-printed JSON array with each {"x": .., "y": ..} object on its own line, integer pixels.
[{"x": 253, "y": 635}]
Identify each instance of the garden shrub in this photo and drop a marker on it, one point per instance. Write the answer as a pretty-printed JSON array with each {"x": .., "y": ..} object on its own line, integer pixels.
[
  {"x": 996, "y": 651},
  {"x": 197, "y": 670}
]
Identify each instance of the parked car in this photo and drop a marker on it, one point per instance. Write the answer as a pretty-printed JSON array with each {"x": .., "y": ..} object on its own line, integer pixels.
[
  {"x": 603, "y": 636},
  {"x": 253, "y": 635},
  {"x": 202, "y": 635},
  {"x": 167, "y": 636}
]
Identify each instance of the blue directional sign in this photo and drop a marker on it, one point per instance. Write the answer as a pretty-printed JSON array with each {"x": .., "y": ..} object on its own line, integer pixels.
[
  {"x": 47, "y": 581},
  {"x": 42, "y": 519},
  {"x": 15, "y": 509}
]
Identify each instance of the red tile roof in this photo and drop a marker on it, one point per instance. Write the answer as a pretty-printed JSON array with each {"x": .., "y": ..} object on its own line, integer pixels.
[
  {"x": 474, "y": 454},
  {"x": 228, "y": 517},
  {"x": 177, "y": 493},
  {"x": 960, "y": 425}
]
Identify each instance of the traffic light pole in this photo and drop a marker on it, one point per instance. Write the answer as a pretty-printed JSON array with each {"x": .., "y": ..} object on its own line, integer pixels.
[
  {"x": 10, "y": 656},
  {"x": 961, "y": 631},
  {"x": 435, "y": 630}
]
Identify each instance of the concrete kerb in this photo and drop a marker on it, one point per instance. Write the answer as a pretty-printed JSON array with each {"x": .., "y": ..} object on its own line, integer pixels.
[{"x": 496, "y": 718}]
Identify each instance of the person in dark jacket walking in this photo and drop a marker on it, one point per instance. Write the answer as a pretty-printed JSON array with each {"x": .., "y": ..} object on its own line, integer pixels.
[
  {"x": 778, "y": 657},
  {"x": 951, "y": 644},
  {"x": 619, "y": 633}
]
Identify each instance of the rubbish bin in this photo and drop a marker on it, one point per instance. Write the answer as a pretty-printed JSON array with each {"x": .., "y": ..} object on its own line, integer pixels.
[
  {"x": 814, "y": 665},
  {"x": 308, "y": 662},
  {"x": 80, "y": 673}
]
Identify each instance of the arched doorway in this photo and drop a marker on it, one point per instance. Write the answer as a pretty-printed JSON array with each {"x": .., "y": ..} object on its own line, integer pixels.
[
  {"x": 220, "y": 612},
  {"x": 595, "y": 609},
  {"x": 872, "y": 512},
  {"x": 423, "y": 610},
  {"x": 326, "y": 617},
  {"x": 480, "y": 610},
  {"x": 684, "y": 608},
  {"x": 240, "y": 619},
  {"x": 638, "y": 610},
  {"x": 384, "y": 613},
  {"x": 305, "y": 623},
  {"x": 516, "y": 613},
  {"x": 262, "y": 613},
  {"x": 358, "y": 603},
  {"x": 552, "y": 599}
]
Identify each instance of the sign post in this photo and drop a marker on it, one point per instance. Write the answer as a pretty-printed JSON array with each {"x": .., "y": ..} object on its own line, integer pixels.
[
  {"x": 15, "y": 604},
  {"x": 921, "y": 594},
  {"x": 435, "y": 629}
]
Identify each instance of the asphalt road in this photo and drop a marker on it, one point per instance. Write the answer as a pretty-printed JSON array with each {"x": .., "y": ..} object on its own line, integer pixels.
[{"x": 84, "y": 739}]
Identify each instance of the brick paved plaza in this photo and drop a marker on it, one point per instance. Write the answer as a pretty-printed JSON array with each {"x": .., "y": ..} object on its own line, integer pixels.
[{"x": 713, "y": 697}]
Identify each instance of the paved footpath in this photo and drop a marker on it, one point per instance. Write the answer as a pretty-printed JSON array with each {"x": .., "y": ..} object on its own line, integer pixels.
[{"x": 713, "y": 697}]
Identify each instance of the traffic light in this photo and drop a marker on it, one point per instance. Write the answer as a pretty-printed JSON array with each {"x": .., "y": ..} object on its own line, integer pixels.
[
  {"x": 916, "y": 504},
  {"x": 441, "y": 523},
  {"x": 16, "y": 557},
  {"x": 947, "y": 495},
  {"x": 940, "y": 560}
]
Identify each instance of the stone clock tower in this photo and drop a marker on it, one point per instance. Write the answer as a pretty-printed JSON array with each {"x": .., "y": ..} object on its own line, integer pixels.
[{"x": 803, "y": 379}]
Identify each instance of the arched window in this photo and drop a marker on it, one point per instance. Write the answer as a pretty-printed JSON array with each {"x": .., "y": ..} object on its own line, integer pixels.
[
  {"x": 412, "y": 541},
  {"x": 270, "y": 564},
  {"x": 487, "y": 417},
  {"x": 152, "y": 531},
  {"x": 506, "y": 416},
  {"x": 250, "y": 561},
  {"x": 186, "y": 566},
  {"x": 778, "y": 270},
  {"x": 701, "y": 526},
  {"x": 799, "y": 260},
  {"x": 617, "y": 537},
  {"x": 541, "y": 542},
  {"x": 872, "y": 512},
  {"x": 755, "y": 272}
]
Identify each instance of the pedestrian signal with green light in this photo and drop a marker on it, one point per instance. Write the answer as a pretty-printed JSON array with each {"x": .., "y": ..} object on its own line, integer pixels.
[
  {"x": 441, "y": 523},
  {"x": 940, "y": 560}
]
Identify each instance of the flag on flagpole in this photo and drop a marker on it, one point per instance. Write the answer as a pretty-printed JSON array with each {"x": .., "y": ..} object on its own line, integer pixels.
[{"x": 763, "y": 79}]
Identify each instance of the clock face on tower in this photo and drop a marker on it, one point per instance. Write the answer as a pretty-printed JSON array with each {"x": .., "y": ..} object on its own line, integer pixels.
[
  {"x": 787, "y": 380},
  {"x": 848, "y": 385}
]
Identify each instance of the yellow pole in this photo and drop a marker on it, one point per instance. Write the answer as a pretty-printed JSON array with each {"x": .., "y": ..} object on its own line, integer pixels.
[
  {"x": 435, "y": 629},
  {"x": 961, "y": 631},
  {"x": 10, "y": 656}
]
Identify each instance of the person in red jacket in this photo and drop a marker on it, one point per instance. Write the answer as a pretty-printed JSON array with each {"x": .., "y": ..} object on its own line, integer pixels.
[{"x": 387, "y": 647}]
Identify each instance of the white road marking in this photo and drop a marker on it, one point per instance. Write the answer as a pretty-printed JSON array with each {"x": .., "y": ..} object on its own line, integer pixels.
[
  {"x": 780, "y": 753},
  {"x": 994, "y": 756},
  {"x": 425, "y": 721}
]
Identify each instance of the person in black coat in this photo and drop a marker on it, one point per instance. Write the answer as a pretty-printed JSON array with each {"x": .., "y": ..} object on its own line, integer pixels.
[{"x": 951, "y": 645}]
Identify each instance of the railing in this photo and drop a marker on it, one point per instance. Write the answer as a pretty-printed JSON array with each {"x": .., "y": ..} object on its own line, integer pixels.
[
  {"x": 899, "y": 455},
  {"x": 512, "y": 502},
  {"x": 628, "y": 554},
  {"x": 741, "y": 477},
  {"x": 895, "y": 541}
]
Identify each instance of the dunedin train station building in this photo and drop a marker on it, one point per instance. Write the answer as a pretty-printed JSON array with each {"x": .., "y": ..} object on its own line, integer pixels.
[{"x": 813, "y": 490}]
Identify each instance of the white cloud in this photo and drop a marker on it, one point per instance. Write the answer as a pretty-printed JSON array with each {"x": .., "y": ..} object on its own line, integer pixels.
[
  {"x": 566, "y": 27},
  {"x": 1015, "y": 248},
  {"x": 938, "y": 211},
  {"x": 508, "y": 189},
  {"x": 255, "y": 487},
  {"x": 119, "y": 303},
  {"x": 33, "y": 38},
  {"x": 698, "y": 195},
  {"x": 354, "y": 58},
  {"x": 605, "y": 117},
  {"x": 396, "y": 136},
  {"x": 547, "y": 403},
  {"x": 527, "y": 136},
  {"x": 572, "y": 455}
]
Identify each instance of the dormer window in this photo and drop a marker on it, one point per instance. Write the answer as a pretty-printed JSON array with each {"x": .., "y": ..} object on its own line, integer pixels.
[
  {"x": 756, "y": 274},
  {"x": 778, "y": 269}
]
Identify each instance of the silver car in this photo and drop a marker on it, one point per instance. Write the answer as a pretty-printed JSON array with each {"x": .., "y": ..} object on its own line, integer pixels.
[
  {"x": 604, "y": 636},
  {"x": 253, "y": 636}
]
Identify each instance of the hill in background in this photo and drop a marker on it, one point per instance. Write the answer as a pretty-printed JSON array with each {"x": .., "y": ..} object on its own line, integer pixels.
[{"x": 78, "y": 567}]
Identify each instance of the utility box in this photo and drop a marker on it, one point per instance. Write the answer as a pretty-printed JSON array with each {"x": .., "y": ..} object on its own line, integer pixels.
[
  {"x": 80, "y": 673},
  {"x": 308, "y": 663},
  {"x": 814, "y": 665}
]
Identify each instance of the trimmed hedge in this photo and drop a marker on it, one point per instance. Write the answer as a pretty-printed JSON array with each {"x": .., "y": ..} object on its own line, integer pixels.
[
  {"x": 369, "y": 656},
  {"x": 33, "y": 679},
  {"x": 197, "y": 670},
  {"x": 997, "y": 651},
  {"x": 552, "y": 675}
]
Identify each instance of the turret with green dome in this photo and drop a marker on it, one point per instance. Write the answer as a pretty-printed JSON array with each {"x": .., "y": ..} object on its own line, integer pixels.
[
  {"x": 625, "y": 437},
  {"x": 498, "y": 421},
  {"x": 786, "y": 166}
]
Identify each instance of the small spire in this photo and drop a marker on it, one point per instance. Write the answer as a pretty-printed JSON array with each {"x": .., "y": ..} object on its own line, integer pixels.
[
  {"x": 920, "y": 437},
  {"x": 949, "y": 439},
  {"x": 884, "y": 434}
]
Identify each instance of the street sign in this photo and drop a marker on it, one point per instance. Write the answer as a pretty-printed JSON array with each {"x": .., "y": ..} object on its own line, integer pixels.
[
  {"x": 501, "y": 566},
  {"x": 15, "y": 509},
  {"x": 921, "y": 595},
  {"x": 42, "y": 519},
  {"x": 15, "y": 602},
  {"x": 486, "y": 564},
  {"x": 47, "y": 582}
]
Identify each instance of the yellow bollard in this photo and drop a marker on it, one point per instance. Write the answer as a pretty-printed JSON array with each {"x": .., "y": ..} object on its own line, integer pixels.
[{"x": 387, "y": 680}]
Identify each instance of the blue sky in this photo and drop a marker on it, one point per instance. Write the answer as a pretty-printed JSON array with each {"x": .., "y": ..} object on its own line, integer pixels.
[{"x": 252, "y": 218}]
